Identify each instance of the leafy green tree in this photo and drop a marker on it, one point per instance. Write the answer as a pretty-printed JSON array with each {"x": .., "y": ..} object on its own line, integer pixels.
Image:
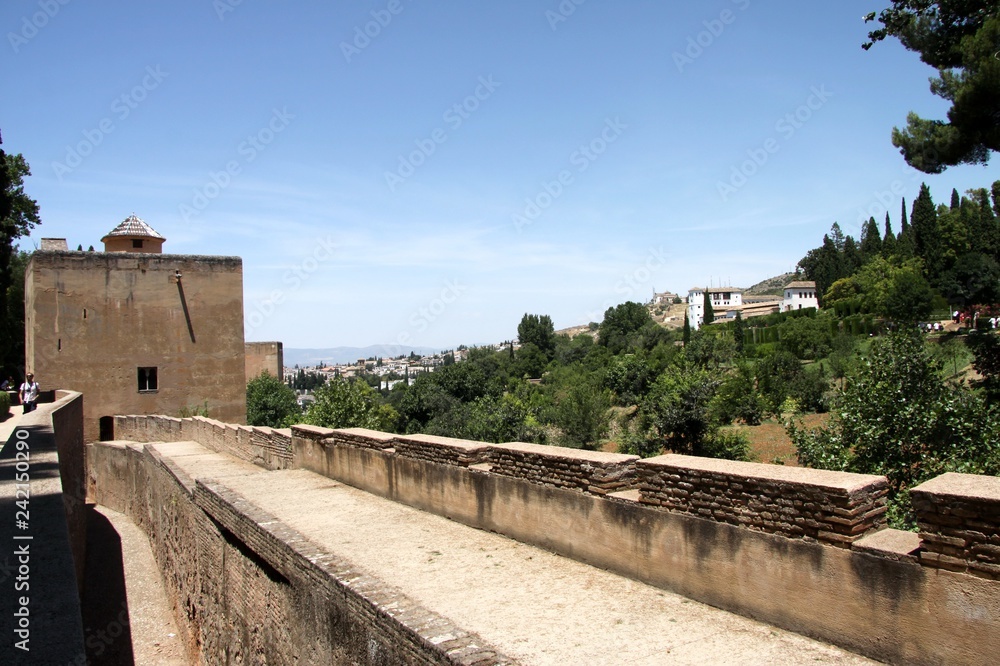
[
  {"x": 806, "y": 337},
  {"x": 893, "y": 289},
  {"x": 910, "y": 298},
  {"x": 975, "y": 278},
  {"x": 530, "y": 361},
  {"x": 270, "y": 402},
  {"x": 737, "y": 398},
  {"x": 341, "y": 403},
  {"x": 622, "y": 324},
  {"x": 627, "y": 377},
  {"x": 896, "y": 417},
  {"x": 18, "y": 215},
  {"x": 709, "y": 349},
  {"x": 959, "y": 38},
  {"x": 776, "y": 375},
  {"x": 504, "y": 419},
  {"x": 581, "y": 413},
  {"x": 539, "y": 331},
  {"x": 985, "y": 347},
  {"x": 677, "y": 411}
]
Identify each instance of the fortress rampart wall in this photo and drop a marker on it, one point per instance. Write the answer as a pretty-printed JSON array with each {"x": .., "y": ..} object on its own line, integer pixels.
[{"x": 803, "y": 549}]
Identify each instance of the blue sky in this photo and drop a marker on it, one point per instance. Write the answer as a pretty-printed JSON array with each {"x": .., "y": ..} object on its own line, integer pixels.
[{"x": 409, "y": 172}]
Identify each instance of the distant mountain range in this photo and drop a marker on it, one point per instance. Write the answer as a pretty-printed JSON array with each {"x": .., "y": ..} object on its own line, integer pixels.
[{"x": 332, "y": 355}]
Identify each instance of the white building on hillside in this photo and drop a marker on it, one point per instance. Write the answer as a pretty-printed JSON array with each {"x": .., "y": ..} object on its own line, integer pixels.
[
  {"x": 800, "y": 295},
  {"x": 723, "y": 299}
]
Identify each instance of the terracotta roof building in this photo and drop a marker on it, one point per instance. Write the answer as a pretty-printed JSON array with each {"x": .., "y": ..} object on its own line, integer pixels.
[{"x": 133, "y": 235}]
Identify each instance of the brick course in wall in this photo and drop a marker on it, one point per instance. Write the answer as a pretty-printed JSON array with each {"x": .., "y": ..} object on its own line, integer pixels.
[
  {"x": 831, "y": 507},
  {"x": 364, "y": 438},
  {"x": 959, "y": 520},
  {"x": 590, "y": 471},
  {"x": 445, "y": 450}
]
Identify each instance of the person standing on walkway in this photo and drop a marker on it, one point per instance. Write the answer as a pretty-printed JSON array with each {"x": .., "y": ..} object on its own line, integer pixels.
[{"x": 28, "y": 393}]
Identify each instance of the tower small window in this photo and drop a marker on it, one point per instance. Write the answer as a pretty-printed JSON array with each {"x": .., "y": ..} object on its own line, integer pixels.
[
  {"x": 137, "y": 243},
  {"x": 147, "y": 379}
]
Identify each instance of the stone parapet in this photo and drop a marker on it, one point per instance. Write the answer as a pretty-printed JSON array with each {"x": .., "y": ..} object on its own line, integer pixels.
[
  {"x": 959, "y": 520},
  {"x": 364, "y": 438},
  {"x": 444, "y": 450},
  {"x": 268, "y": 447},
  {"x": 589, "y": 471},
  {"x": 836, "y": 508}
]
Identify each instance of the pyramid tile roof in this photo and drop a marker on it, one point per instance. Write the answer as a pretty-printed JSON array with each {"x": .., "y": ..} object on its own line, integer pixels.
[{"x": 133, "y": 226}]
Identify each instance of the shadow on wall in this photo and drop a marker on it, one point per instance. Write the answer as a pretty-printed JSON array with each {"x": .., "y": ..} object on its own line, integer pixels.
[{"x": 106, "y": 628}]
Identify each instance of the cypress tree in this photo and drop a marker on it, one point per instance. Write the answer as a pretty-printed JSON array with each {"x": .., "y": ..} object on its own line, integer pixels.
[
  {"x": 888, "y": 240},
  {"x": 871, "y": 242},
  {"x": 709, "y": 316},
  {"x": 850, "y": 257},
  {"x": 955, "y": 200},
  {"x": 739, "y": 332},
  {"x": 905, "y": 245},
  {"x": 926, "y": 233},
  {"x": 687, "y": 329},
  {"x": 989, "y": 227}
]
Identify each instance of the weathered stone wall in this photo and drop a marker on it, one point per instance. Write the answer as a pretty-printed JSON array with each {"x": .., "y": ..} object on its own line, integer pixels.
[
  {"x": 831, "y": 507},
  {"x": 959, "y": 520},
  {"x": 264, "y": 357},
  {"x": 252, "y": 590},
  {"x": 92, "y": 319}
]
